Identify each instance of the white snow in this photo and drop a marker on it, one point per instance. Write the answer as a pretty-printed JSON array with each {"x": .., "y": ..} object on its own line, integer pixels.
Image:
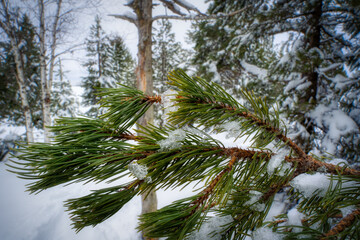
[
  {"x": 186, "y": 4},
  {"x": 294, "y": 218},
  {"x": 310, "y": 184},
  {"x": 168, "y": 104},
  {"x": 173, "y": 141},
  {"x": 130, "y": 15},
  {"x": 211, "y": 228},
  {"x": 293, "y": 84},
  {"x": 265, "y": 233},
  {"x": 213, "y": 69},
  {"x": 277, "y": 161},
  {"x": 259, "y": 72},
  {"x": 43, "y": 216},
  {"x": 232, "y": 129},
  {"x": 347, "y": 210},
  {"x": 336, "y": 121},
  {"x": 139, "y": 171}
]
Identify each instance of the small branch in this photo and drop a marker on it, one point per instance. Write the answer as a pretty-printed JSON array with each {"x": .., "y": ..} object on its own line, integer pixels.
[
  {"x": 172, "y": 7},
  {"x": 200, "y": 16},
  {"x": 153, "y": 99},
  {"x": 310, "y": 164},
  {"x": 207, "y": 191},
  {"x": 343, "y": 224},
  {"x": 188, "y": 7},
  {"x": 125, "y": 17}
]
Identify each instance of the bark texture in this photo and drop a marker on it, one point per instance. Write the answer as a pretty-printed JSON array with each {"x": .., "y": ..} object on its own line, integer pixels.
[
  {"x": 10, "y": 31},
  {"x": 144, "y": 81}
]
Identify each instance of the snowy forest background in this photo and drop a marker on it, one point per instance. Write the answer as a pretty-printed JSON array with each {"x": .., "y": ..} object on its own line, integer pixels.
[{"x": 303, "y": 56}]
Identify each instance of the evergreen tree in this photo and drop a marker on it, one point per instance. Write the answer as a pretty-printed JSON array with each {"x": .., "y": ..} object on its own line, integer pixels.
[
  {"x": 167, "y": 55},
  {"x": 109, "y": 62},
  {"x": 241, "y": 187},
  {"x": 316, "y": 68},
  {"x": 10, "y": 102},
  {"x": 63, "y": 103},
  {"x": 119, "y": 64},
  {"x": 219, "y": 57}
]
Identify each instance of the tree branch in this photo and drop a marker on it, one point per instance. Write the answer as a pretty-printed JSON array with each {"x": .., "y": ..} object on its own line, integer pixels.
[
  {"x": 343, "y": 224},
  {"x": 125, "y": 17},
  {"x": 172, "y": 7},
  {"x": 188, "y": 7},
  {"x": 200, "y": 16}
]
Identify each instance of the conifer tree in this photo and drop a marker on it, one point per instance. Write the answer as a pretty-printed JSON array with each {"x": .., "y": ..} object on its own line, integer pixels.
[
  {"x": 63, "y": 103},
  {"x": 167, "y": 55},
  {"x": 109, "y": 62},
  {"x": 239, "y": 187},
  {"x": 314, "y": 73},
  {"x": 10, "y": 102}
]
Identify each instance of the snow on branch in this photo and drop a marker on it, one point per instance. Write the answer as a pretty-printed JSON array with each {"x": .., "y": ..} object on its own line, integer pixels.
[
  {"x": 188, "y": 6},
  {"x": 173, "y": 7},
  {"x": 128, "y": 16},
  {"x": 200, "y": 16}
]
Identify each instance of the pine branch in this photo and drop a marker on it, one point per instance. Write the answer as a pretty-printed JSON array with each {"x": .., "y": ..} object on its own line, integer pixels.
[
  {"x": 98, "y": 206},
  {"x": 125, "y": 106},
  {"x": 343, "y": 224}
]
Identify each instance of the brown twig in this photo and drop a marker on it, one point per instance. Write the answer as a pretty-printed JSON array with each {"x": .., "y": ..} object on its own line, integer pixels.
[
  {"x": 343, "y": 224},
  {"x": 209, "y": 189}
]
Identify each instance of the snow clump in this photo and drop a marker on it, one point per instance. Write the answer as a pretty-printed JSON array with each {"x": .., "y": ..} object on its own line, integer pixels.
[
  {"x": 294, "y": 218},
  {"x": 211, "y": 228},
  {"x": 173, "y": 141},
  {"x": 139, "y": 171},
  {"x": 265, "y": 233},
  {"x": 167, "y": 99},
  {"x": 277, "y": 162},
  {"x": 310, "y": 184}
]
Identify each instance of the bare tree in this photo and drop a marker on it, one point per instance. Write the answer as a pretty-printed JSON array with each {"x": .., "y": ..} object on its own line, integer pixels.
[
  {"x": 47, "y": 76},
  {"x": 143, "y": 19},
  {"x": 8, "y": 24}
]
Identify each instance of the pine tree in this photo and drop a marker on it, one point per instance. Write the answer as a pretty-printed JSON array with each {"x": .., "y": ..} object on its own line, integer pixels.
[
  {"x": 315, "y": 68},
  {"x": 218, "y": 55},
  {"x": 63, "y": 102},
  {"x": 10, "y": 102},
  {"x": 240, "y": 186},
  {"x": 167, "y": 55},
  {"x": 119, "y": 64},
  {"x": 109, "y": 62}
]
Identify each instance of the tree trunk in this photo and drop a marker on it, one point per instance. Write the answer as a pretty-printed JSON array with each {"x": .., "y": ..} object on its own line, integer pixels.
[
  {"x": 45, "y": 90},
  {"x": 23, "y": 95},
  {"x": 143, "y": 10},
  {"x": 309, "y": 99},
  {"x": 10, "y": 31}
]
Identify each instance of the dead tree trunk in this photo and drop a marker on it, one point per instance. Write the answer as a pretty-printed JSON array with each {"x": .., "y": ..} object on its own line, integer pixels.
[{"x": 144, "y": 81}]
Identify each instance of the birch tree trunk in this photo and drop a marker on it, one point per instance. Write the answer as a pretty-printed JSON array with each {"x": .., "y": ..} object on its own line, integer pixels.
[
  {"x": 23, "y": 94},
  {"x": 45, "y": 88},
  {"x": 9, "y": 30},
  {"x": 46, "y": 79}
]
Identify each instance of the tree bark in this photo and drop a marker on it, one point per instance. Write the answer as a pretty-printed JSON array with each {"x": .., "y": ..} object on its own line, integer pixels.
[
  {"x": 23, "y": 94},
  {"x": 45, "y": 88},
  {"x": 144, "y": 82},
  {"x": 312, "y": 40},
  {"x": 9, "y": 30}
]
